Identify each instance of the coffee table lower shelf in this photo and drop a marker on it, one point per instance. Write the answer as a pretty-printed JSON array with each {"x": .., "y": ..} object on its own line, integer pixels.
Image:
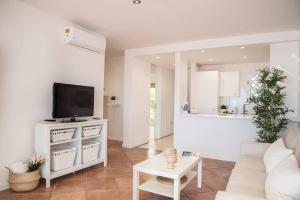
[{"x": 154, "y": 186}]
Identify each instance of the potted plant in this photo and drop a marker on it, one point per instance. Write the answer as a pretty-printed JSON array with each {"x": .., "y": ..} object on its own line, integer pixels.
[
  {"x": 269, "y": 104},
  {"x": 113, "y": 98},
  {"x": 223, "y": 109},
  {"x": 22, "y": 182}
]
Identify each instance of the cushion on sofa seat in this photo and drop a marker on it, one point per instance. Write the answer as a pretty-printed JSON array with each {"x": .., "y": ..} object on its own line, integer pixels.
[
  {"x": 283, "y": 183},
  {"x": 276, "y": 153},
  {"x": 232, "y": 196},
  {"x": 247, "y": 182},
  {"x": 250, "y": 162},
  {"x": 297, "y": 153},
  {"x": 292, "y": 138}
]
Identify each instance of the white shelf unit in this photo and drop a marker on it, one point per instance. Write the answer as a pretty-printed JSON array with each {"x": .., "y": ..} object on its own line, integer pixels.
[
  {"x": 154, "y": 186},
  {"x": 43, "y": 145}
]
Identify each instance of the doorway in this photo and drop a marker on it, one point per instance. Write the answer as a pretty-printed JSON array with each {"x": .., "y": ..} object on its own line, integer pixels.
[{"x": 152, "y": 117}]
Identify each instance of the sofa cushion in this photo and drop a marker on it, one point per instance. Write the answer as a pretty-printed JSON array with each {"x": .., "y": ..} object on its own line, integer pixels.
[
  {"x": 250, "y": 162},
  {"x": 297, "y": 153},
  {"x": 283, "y": 183},
  {"x": 247, "y": 182},
  {"x": 275, "y": 154},
  {"x": 292, "y": 138},
  {"x": 232, "y": 196}
]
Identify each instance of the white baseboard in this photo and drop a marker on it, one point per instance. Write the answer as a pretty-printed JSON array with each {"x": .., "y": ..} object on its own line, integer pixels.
[
  {"x": 128, "y": 145},
  {"x": 115, "y": 138},
  {"x": 4, "y": 187},
  {"x": 167, "y": 135}
]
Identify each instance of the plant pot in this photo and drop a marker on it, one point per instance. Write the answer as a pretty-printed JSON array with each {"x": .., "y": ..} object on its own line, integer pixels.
[
  {"x": 223, "y": 111},
  {"x": 23, "y": 182}
]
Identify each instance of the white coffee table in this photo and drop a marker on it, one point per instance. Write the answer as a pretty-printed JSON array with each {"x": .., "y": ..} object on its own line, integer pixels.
[{"x": 157, "y": 166}]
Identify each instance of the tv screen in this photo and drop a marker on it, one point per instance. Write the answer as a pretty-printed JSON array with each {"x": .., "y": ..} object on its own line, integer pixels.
[{"x": 72, "y": 101}]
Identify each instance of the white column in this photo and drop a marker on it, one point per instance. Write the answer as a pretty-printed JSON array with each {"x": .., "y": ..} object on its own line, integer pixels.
[{"x": 136, "y": 102}]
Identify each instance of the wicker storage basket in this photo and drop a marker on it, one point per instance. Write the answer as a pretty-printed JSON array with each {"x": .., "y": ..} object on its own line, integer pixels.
[
  {"x": 90, "y": 151},
  {"x": 89, "y": 131},
  {"x": 62, "y": 134},
  {"x": 23, "y": 182},
  {"x": 62, "y": 157}
]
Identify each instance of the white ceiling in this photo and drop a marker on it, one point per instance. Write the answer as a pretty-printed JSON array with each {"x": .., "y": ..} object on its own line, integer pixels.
[
  {"x": 213, "y": 56},
  {"x": 234, "y": 54},
  {"x": 166, "y": 60},
  {"x": 166, "y": 21}
]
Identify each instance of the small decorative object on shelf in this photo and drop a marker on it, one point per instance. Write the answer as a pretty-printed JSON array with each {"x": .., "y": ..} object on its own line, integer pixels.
[
  {"x": 187, "y": 153},
  {"x": 171, "y": 156},
  {"x": 23, "y": 181},
  {"x": 113, "y": 101},
  {"x": 190, "y": 154},
  {"x": 185, "y": 108},
  {"x": 223, "y": 109},
  {"x": 113, "y": 98}
]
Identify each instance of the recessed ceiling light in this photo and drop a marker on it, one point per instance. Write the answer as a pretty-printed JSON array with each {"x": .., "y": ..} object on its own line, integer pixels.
[
  {"x": 137, "y": 1},
  {"x": 245, "y": 57},
  {"x": 210, "y": 60},
  {"x": 202, "y": 51},
  {"x": 242, "y": 47},
  {"x": 157, "y": 57}
]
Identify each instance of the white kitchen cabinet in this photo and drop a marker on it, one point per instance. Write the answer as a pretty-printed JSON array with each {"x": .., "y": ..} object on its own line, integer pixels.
[
  {"x": 229, "y": 84},
  {"x": 205, "y": 91}
]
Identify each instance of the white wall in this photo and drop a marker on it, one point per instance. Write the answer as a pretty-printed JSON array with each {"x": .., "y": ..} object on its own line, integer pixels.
[
  {"x": 181, "y": 82},
  {"x": 136, "y": 102},
  {"x": 156, "y": 76},
  {"x": 32, "y": 57},
  {"x": 114, "y": 87},
  {"x": 167, "y": 102},
  {"x": 246, "y": 71},
  {"x": 164, "y": 80},
  {"x": 280, "y": 54}
]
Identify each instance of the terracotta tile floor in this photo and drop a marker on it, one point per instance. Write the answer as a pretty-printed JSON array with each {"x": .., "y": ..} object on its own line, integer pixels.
[{"x": 115, "y": 181}]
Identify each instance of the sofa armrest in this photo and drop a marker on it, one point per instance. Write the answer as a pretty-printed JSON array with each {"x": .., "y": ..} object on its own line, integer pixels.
[
  {"x": 234, "y": 196},
  {"x": 254, "y": 148}
]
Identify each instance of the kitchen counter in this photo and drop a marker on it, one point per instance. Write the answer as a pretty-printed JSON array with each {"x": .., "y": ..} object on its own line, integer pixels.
[
  {"x": 222, "y": 116},
  {"x": 213, "y": 136}
]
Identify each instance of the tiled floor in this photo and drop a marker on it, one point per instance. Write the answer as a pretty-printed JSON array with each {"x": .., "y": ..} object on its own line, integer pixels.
[
  {"x": 115, "y": 181},
  {"x": 160, "y": 144}
]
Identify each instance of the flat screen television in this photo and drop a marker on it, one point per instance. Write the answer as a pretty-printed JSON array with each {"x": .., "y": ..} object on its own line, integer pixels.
[{"x": 70, "y": 101}]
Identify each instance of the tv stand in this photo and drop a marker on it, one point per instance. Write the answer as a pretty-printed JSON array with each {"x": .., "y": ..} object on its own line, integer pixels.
[
  {"x": 43, "y": 146},
  {"x": 73, "y": 119}
]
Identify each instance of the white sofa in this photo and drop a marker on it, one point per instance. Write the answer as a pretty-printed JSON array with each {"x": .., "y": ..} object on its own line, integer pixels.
[{"x": 247, "y": 180}]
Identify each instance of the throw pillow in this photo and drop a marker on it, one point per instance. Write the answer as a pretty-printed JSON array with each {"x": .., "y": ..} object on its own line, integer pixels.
[
  {"x": 275, "y": 154},
  {"x": 283, "y": 183}
]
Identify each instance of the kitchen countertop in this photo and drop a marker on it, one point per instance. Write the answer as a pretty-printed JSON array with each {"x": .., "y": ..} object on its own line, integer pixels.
[{"x": 226, "y": 116}]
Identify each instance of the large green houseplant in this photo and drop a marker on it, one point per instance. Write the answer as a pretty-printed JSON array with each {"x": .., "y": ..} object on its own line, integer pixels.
[{"x": 269, "y": 104}]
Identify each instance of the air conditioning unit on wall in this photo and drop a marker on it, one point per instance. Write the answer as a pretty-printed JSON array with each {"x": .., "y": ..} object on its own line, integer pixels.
[{"x": 85, "y": 39}]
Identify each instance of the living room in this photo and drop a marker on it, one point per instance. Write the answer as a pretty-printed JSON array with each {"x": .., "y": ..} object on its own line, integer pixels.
[{"x": 103, "y": 51}]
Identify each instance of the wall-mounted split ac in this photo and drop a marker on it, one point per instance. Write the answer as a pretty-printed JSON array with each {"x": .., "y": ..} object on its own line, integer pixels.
[{"x": 84, "y": 39}]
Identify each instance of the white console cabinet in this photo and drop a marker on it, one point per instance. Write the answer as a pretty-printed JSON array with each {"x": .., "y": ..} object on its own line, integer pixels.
[{"x": 44, "y": 145}]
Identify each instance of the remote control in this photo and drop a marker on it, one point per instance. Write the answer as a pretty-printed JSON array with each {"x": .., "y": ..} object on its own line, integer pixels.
[{"x": 50, "y": 120}]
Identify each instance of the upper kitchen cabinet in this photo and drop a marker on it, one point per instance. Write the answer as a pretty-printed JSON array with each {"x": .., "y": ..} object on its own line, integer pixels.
[
  {"x": 229, "y": 84},
  {"x": 204, "y": 91}
]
